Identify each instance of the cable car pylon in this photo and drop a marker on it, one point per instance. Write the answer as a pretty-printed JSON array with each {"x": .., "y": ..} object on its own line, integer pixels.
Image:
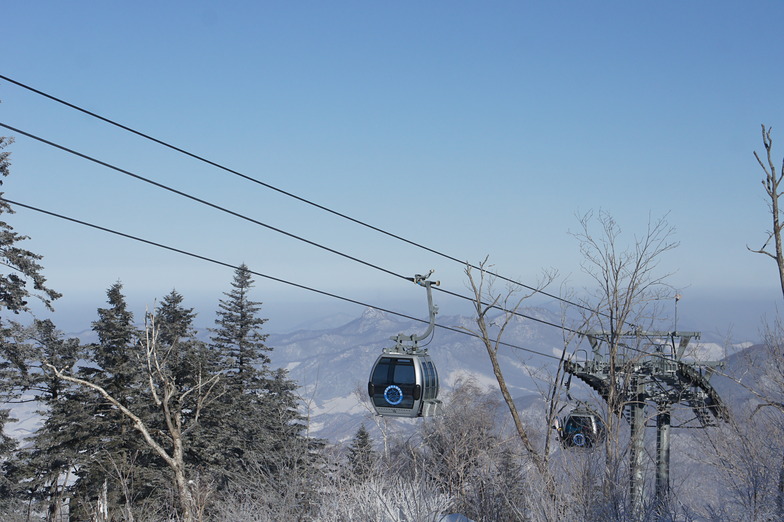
[
  {"x": 649, "y": 370},
  {"x": 404, "y": 381}
]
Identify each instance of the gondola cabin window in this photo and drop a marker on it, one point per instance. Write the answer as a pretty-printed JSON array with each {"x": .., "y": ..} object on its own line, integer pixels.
[
  {"x": 431, "y": 380},
  {"x": 394, "y": 383},
  {"x": 582, "y": 428}
]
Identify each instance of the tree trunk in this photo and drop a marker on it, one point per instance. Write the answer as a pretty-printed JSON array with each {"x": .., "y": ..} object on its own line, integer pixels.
[{"x": 184, "y": 494}]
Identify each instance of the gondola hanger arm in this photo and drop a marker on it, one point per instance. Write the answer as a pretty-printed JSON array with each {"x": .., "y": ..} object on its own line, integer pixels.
[{"x": 421, "y": 280}]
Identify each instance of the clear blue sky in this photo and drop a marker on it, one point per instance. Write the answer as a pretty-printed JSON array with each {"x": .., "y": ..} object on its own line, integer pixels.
[{"x": 474, "y": 128}]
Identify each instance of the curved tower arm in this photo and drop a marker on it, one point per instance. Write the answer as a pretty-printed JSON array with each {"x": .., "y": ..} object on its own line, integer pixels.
[{"x": 400, "y": 339}]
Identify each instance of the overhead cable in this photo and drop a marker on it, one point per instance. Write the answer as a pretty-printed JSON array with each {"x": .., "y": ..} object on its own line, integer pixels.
[
  {"x": 197, "y": 199},
  {"x": 251, "y": 220},
  {"x": 259, "y": 274},
  {"x": 291, "y": 195}
]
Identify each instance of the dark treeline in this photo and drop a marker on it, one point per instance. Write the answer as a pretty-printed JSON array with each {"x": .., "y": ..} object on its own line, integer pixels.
[
  {"x": 147, "y": 423},
  {"x": 127, "y": 418}
]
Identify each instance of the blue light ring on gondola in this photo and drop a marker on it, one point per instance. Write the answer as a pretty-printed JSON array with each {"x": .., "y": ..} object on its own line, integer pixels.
[
  {"x": 396, "y": 395},
  {"x": 578, "y": 439}
]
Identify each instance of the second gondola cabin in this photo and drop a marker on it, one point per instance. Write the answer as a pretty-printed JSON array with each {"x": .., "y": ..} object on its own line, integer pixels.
[
  {"x": 582, "y": 428},
  {"x": 404, "y": 385}
]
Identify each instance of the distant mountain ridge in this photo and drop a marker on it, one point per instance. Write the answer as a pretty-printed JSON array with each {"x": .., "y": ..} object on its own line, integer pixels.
[{"x": 332, "y": 365}]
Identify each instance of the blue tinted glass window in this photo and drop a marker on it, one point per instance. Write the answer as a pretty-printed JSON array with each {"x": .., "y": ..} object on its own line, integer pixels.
[
  {"x": 393, "y": 382},
  {"x": 429, "y": 381},
  {"x": 404, "y": 371},
  {"x": 381, "y": 373},
  {"x": 435, "y": 382}
]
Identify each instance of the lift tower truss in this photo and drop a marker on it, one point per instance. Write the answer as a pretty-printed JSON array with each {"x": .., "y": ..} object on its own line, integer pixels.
[{"x": 650, "y": 370}]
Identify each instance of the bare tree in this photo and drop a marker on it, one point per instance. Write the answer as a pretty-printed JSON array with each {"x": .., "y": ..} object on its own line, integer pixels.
[
  {"x": 296, "y": 493},
  {"x": 179, "y": 409},
  {"x": 485, "y": 298},
  {"x": 629, "y": 288},
  {"x": 744, "y": 455},
  {"x": 471, "y": 457},
  {"x": 766, "y": 385},
  {"x": 386, "y": 499},
  {"x": 771, "y": 183},
  {"x": 774, "y": 335}
]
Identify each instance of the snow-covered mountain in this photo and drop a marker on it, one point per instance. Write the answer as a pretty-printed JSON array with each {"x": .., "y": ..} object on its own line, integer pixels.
[{"x": 332, "y": 365}]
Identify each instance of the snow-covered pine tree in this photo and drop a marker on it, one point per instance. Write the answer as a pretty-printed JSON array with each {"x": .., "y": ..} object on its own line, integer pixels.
[
  {"x": 174, "y": 320},
  {"x": 256, "y": 421},
  {"x": 54, "y": 453},
  {"x": 21, "y": 278},
  {"x": 111, "y": 449},
  {"x": 20, "y": 266},
  {"x": 362, "y": 457},
  {"x": 238, "y": 338},
  {"x": 189, "y": 358}
]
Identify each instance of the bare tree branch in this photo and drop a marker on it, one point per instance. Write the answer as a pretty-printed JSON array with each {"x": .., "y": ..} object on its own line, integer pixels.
[
  {"x": 170, "y": 399},
  {"x": 485, "y": 299},
  {"x": 771, "y": 182}
]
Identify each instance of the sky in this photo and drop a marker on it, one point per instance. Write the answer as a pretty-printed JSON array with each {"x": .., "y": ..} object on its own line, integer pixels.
[{"x": 475, "y": 129}]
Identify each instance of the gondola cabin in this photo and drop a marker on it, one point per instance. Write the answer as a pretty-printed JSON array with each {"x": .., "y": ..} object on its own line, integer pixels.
[
  {"x": 582, "y": 428},
  {"x": 404, "y": 384}
]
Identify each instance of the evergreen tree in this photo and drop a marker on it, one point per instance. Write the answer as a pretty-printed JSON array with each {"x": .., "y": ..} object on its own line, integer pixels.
[
  {"x": 21, "y": 266},
  {"x": 286, "y": 426},
  {"x": 256, "y": 421},
  {"x": 8, "y": 490},
  {"x": 111, "y": 451},
  {"x": 238, "y": 339},
  {"x": 174, "y": 321},
  {"x": 190, "y": 362},
  {"x": 117, "y": 336},
  {"x": 361, "y": 456},
  {"x": 19, "y": 270},
  {"x": 188, "y": 356},
  {"x": 237, "y": 422},
  {"x": 54, "y": 453}
]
